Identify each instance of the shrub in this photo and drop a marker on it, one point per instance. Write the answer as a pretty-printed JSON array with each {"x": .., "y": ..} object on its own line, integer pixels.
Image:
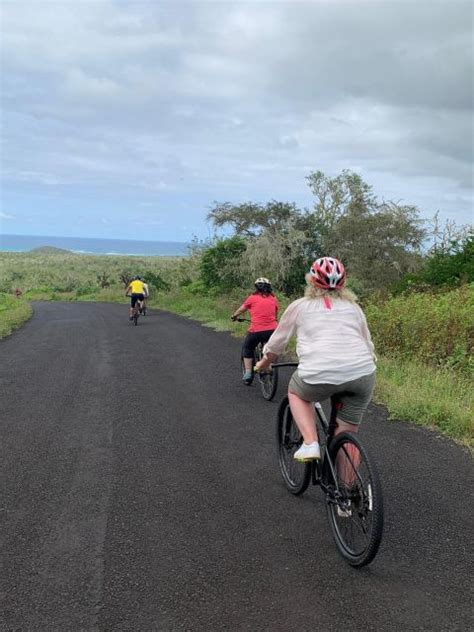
[
  {"x": 219, "y": 265},
  {"x": 434, "y": 328},
  {"x": 156, "y": 280}
]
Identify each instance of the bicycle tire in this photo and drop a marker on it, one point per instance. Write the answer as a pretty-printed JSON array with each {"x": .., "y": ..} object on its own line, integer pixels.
[
  {"x": 268, "y": 380},
  {"x": 359, "y": 510},
  {"x": 268, "y": 384},
  {"x": 135, "y": 319},
  {"x": 296, "y": 476}
]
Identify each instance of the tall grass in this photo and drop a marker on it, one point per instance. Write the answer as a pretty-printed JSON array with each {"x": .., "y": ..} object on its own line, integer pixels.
[
  {"x": 435, "y": 397},
  {"x": 40, "y": 274},
  {"x": 436, "y": 329},
  {"x": 13, "y": 313}
]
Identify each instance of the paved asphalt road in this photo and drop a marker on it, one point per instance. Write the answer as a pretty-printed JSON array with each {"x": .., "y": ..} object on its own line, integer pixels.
[{"x": 140, "y": 492}]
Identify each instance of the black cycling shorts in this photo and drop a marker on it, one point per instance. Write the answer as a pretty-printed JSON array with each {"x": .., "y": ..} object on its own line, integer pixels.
[
  {"x": 252, "y": 339},
  {"x": 134, "y": 298}
]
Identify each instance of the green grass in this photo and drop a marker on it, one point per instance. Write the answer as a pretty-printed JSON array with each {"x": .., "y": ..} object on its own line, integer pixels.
[
  {"x": 13, "y": 313},
  {"x": 434, "y": 397},
  {"x": 65, "y": 275}
]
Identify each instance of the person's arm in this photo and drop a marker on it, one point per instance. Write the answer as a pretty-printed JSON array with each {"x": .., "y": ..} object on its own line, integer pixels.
[
  {"x": 127, "y": 290},
  {"x": 241, "y": 310},
  {"x": 281, "y": 336}
]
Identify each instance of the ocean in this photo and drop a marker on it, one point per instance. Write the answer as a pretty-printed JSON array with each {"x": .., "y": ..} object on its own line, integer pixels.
[{"x": 86, "y": 245}]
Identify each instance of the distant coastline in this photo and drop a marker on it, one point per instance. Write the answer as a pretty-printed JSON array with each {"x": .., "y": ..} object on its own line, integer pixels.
[{"x": 96, "y": 246}]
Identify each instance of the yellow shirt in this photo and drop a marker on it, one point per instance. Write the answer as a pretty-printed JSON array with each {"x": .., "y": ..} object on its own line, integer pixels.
[{"x": 136, "y": 287}]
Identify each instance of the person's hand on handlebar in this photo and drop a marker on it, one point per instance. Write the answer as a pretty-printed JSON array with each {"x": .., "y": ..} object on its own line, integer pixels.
[{"x": 265, "y": 362}]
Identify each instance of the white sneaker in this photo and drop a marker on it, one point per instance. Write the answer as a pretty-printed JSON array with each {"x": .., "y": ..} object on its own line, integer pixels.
[{"x": 308, "y": 452}]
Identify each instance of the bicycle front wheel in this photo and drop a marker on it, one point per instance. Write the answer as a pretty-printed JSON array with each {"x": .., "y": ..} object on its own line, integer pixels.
[
  {"x": 268, "y": 384},
  {"x": 355, "y": 505},
  {"x": 295, "y": 474}
]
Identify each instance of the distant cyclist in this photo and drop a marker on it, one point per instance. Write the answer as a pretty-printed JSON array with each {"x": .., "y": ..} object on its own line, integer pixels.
[
  {"x": 135, "y": 290},
  {"x": 335, "y": 351},
  {"x": 262, "y": 306}
]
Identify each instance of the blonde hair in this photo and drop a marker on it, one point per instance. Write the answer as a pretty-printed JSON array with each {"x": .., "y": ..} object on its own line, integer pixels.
[{"x": 344, "y": 293}]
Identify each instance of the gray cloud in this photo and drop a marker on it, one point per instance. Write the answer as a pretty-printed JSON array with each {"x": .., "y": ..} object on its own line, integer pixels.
[{"x": 234, "y": 99}]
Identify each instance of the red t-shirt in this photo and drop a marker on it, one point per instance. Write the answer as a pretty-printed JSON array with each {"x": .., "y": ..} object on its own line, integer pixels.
[{"x": 263, "y": 312}]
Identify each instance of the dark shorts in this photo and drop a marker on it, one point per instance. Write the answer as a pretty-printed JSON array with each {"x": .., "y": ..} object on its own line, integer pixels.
[
  {"x": 134, "y": 298},
  {"x": 353, "y": 397},
  {"x": 252, "y": 340}
]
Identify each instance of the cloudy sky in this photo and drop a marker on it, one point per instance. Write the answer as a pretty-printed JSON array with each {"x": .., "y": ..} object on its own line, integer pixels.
[{"x": 128, "y": 118}]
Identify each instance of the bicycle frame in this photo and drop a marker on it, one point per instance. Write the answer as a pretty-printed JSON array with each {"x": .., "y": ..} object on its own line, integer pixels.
[{"x": 320, "y": 469}]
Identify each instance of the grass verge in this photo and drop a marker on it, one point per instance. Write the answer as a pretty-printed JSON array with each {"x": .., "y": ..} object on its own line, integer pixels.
[
  {"x": 13, "y": 313},
  {"x": 437, "y": 398},
  {"x": 440, "y": 399}
]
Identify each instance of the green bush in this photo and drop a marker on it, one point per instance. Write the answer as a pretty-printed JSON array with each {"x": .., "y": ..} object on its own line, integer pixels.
[
  {"x": 434, "y": 328},
  {"x": 451, "y": 266},
  {"x": 219, "y": 264},
  {"x": 156, "y": 280}
]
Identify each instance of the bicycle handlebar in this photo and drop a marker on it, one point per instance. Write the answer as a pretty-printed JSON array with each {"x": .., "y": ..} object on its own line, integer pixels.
[{"x": 241, "y": 320}]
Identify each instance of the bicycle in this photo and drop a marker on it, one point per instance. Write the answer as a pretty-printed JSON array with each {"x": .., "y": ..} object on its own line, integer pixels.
[
  {"x": 135, "y": 313},
  {"x": 268, "y": 379},
  {"x": 346, "y": 475}
]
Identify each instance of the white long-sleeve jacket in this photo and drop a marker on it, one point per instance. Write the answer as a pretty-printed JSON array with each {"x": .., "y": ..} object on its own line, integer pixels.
[{"x": 333, "y": 344}]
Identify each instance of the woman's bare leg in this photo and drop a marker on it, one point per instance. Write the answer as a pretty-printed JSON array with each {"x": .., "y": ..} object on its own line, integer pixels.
[
  {"x": 248, "y": 363},
  {"x": 304, "y": 416},
  {"x": 347, "y": 465}
]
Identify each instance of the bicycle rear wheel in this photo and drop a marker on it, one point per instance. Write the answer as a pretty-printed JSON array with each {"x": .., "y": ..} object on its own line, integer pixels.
[
  {"x": 296, "y": 475},
  {"x": 355, "y": 513},
  {"x": 135, "y": 319}
]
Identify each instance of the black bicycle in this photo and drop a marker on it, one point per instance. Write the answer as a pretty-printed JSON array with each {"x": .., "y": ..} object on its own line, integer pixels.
[
  {"x": 268, "y": 379},
  {"x": 135, "y": 313},
  {"x": 346, "y": 475}
]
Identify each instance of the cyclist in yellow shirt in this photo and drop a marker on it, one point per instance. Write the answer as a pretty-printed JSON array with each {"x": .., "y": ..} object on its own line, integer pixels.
[{"x": 136, "y": 291}]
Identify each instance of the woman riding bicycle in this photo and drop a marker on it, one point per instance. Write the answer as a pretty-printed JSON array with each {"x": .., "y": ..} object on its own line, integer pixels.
[
  {"x": 263, "y": 308},
  {"x": 335, "y": 351}
]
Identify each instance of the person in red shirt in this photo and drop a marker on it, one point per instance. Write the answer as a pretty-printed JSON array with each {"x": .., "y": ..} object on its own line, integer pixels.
[{"x": 263, "y": 308}]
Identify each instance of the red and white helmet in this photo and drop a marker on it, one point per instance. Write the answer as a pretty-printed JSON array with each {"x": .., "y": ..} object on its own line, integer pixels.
[{"x": 328, "y": 273}]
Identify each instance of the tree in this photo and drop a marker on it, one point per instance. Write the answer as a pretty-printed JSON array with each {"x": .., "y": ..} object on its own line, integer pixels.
[
  {"x": 250, "y": 219},
  {"x": 379, "y": 242},
  {"x": 279, "y": 257}
]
